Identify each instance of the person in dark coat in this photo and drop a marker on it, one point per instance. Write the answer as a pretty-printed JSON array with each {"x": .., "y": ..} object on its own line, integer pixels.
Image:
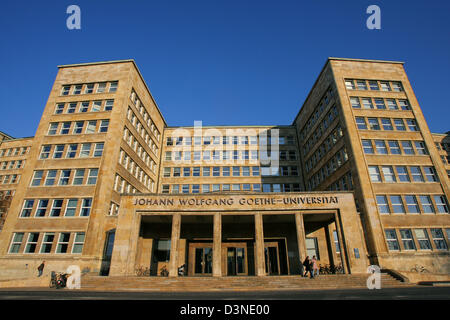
[
  {"x": 41, "y": 268},
  {"x": 308, "y": 266}
]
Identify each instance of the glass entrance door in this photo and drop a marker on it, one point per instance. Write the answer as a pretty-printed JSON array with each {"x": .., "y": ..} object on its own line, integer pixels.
[
  {"x": 203, "y": 261},
  {"x": 271, "y": 256},
  {"x": 235, "y": 261}
]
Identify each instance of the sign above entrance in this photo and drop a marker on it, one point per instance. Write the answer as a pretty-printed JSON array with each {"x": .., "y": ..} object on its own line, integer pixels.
[{"x": 233, "y": 201}]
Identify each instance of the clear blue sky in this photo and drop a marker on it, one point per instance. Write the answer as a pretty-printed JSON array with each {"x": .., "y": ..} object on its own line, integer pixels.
[{"x": 234, "y": 62}]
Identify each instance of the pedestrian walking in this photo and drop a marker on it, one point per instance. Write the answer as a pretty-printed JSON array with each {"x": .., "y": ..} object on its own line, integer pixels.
[
  {"x": 308, "y": 266},
  {"x": 41, "y": 268},
  {"x": 315, "y": 266}
]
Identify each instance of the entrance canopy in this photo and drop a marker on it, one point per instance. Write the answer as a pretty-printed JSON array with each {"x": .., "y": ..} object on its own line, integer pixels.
[{"x": 221, "y": 234}]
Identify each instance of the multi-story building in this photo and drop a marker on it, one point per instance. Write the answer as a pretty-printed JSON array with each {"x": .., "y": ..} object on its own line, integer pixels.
[{"x": 355, "y": 180}]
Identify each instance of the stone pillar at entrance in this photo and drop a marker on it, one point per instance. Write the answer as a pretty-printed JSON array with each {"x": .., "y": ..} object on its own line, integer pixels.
[
  {"x": 332, "y": 255},
  {"x": 259, "y": 245},
  {"x": 301, "y": 236},
  {"x": 217, "y": 246},
  {"x": 176, "y": 225}
]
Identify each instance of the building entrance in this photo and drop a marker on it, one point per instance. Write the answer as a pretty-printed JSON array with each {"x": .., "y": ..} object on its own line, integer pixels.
[
  {"x": 272, "y": 258},
  {"x": 235, "y": 256},
  {"x": 200, "y": 259}
]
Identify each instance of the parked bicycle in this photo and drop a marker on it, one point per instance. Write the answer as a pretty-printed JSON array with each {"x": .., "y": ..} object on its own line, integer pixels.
[
  {"x": 58, "y": 280},
  {"x": 142, "y": 272},
  {"x": 164, "y": 272},
  {"x": 330, "y": 269}
]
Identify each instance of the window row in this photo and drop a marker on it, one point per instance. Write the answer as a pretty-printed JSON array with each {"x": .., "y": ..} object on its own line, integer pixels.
[
  {"x": 12, "y": 152},
  {"x": 394, "y": 147},
  {"x": 318, "y": 111},
  {"x": 84, "y": 106},
  {"x": 64, "y": 177},
  {"x": 73, "y": 150},
  {"x": 320, "y": 130},
  {"x": 143, "y": 112},
  {"x": 141, "y": 129},
  {"x": 417, "y": 239},
  {"x": 344, "y": 183},
  {"x": 387, "y": 174},
  {"x": 132, "y": 167},
  {"x": 40, "y": 208},
  {"x": 206, "y": 188},
  {"x": 323, "y": 149},
  {"x": 47, "y": 242},
  {"x": 10, "y": 165},
  {"x": 328, "y": 169},
  {"x": 123, "y": 186},
  {"x": 215, "y": 155},
  {"x": 87, "y": 88},
  {"x": 78, "y": 127},
  {"x": 229, "y": 171},
  {"x": 387, "y": 124},
  {"x": 379, "y": 103},
  {"x": 9, "y": 179},
  {"x": 374, "y": 85},
  {"x": 413, "y": 204},
  {"x": 228, "y": 140},
  {"x": 139, "y": 149}
]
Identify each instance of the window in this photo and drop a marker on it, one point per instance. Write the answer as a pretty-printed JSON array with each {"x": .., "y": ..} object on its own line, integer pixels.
[
  {"x": 256, "y": 187},
  {"x": 422, "y": 239},
  {"x": 388, "y": 174},
  {"x": 71, "y": 207},
  {"x": 96, "y": 106},
  {"x": 411, "y": 204},
  {"x": 206, "y": 171},
  {"x": 416, "y": 174},
  {"x": 78, "y": 178},
  {"x": 77, "y": 89},
  {"x": 86, "y": 205},
  {"x": 90, "y": 128},
  {"x": 407, "y": 239},
  {"x": 312, "y": 248},
  {"x": 185, "y": 188},
  {"x": 382, "y": 203},
  {"x": 101, "y": 87},
  {"x": 165, "y": 188},
  {"x": 246, "y": 171},
  {"x": 92, "y": 177},
  {"x": 186, "y": 172},
  {"x": 361, "y": 84},
  {"x": 89, "y": 88},
  {"x": 394, "y": 147},
  {"x": 64, "y": 177},
  {"x": 226, "y": 171},
  {"x": 196, "y": 171},
  {"x": 355, "y": 102},
  {"x": 47, "y": 242},
  {"x": 399, "y": 125},
  {"x": 104, "y": 126},
  {"x": 396, "y": 86},
  {"x": 65, "y": 90},
  {"x": 367, "y": 103},
  {"x": 63, "y": 242},
  {"x": 438, "y": 238},
  {"x": 37, "y": 177},
  {"x": 373, "y": 85},
  {"x": 373, "y": 124},
  {"x": 31, "y": 244},
  {"x": 59, "y": 149},
  {"x": 27, "y": 208},
  {"x": 391, "y": 238},
  {"x": 380, "y": 104},
  {"x": 412, "y": 125},
  {"x": 430, "y": 174},
  {"x": 65, "y": 128},
  {"x": 113, "y": 86},
  {"x": 350, "y": 85},
  {"x": 404, "y": 105},
  {"x": 361, "y": 123},
  {"x": 385, "y": 86},
  {"x": 41, "y": 208},
  {"x": 402, "y": 174},
  {"x": 195, "y": 188},
  {"x": 420, "y": 147},
  {"x": 236, "y": 171},
  {"x": 175, "y": 188},
  {"x": 45, "y": 152},
  {"x": 397, "y": 204},
  {"x": 381, "y": 147},
  {"x": 78, "y": 242},
  {"x": 53, "y": 128},
  {"x": 59, "y": 108},
  {"x": 374, "y": 173},
  {"x": 98, "y": 150},
  {"x": 392, "y": 105},
  {"x": 16, "y": 242},
  {"x": 255, "y": 171},
  {"x": 426, "y": 203},
  {"x": 72, "y": 151},
  {"x": 407, "y": 147},
  {"x": 56, "y": 208},
  {"x": 367, "y": 146},
  {"x": 441, "y": 204},
  {"x": 387, "y": 124}
]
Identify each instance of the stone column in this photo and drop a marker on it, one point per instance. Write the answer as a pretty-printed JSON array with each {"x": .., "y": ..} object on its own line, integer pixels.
[
  {"x": 217, "y": 246},
  {"x": 259, "y": 245},
  {"x": 330, "y": 244},
  {"x": 341, "y": 244},
  {"x": 301, "y": 236},
  {"x": 176, "y": 224}
]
